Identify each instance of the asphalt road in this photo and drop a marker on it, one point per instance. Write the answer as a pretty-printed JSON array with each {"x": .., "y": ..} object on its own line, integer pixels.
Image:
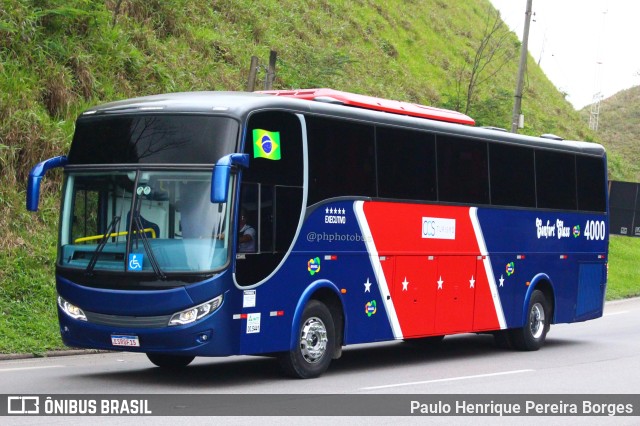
[{"x": 596, "y": 357}]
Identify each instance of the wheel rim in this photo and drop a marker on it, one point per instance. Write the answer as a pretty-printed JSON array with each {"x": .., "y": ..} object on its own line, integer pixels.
[
  {"x": 536, "y": 320},
  {"x": 313, "y": 340}
]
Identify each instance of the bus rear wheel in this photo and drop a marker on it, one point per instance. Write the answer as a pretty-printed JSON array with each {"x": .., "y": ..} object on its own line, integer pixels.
[
  {"x": 170, "y": 362},
  {"x": 532, "y": 335},
  {"x": 315, "y": 343}
]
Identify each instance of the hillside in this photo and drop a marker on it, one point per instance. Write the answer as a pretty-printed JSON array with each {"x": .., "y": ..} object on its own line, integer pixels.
[
  {"x": 59, "y": 57},
  {"x": 619, "y": 128}
]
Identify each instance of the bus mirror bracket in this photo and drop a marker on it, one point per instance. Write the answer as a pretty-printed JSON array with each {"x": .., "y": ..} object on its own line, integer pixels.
[
  {"x": 35, "y": 178},
  {"x": 221, "y": 173}
]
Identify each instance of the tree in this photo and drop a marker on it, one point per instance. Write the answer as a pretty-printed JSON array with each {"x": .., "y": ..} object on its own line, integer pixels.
[{"x": 491, "y": 53}]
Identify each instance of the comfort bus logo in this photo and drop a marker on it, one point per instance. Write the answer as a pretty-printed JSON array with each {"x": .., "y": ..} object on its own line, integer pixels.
[{"x": 266, "y": 144}]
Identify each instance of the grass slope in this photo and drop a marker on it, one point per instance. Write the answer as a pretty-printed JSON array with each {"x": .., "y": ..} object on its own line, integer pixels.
[{"x": 618, "y": 127}]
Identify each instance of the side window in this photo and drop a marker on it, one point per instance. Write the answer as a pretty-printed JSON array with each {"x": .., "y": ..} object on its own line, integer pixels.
[
  {"x": 274, "y": 144},
  {"x": 556, "y": 180},
  {"x": 341, "y": 159},
  {"x": 592, "y": 185},
  {"x": 512, "y": 176},
  {"x": 251, "y": 232},
  {"x": 268, "y": 212},
  {"x": 406, "y": 164},
  {"x": 463, "y": 176}
]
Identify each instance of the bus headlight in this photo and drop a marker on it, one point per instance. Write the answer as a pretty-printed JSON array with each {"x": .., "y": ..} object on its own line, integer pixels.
[
  {"x": 197, "y": 312},
  {"x": 72, "y": 310}
]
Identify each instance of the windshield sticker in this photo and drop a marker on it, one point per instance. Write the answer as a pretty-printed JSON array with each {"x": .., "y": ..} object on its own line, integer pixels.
[
  {"x": 266, "y": 144},
  {"x": 135, "y": 261}
]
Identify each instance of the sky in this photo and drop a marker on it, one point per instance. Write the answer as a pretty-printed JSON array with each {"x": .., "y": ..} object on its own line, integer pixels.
[{"x": 585, "y": 47}]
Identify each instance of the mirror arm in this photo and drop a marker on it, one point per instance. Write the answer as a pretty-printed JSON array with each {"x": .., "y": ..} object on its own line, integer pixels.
[{"x": 35, "y": 179}]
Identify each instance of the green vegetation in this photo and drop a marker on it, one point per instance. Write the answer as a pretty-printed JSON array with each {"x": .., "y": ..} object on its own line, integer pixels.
[
  {"x": 624, "y": 253},
  {"x": 618, "y": 128},
  {"x": 59, "y": 57}
]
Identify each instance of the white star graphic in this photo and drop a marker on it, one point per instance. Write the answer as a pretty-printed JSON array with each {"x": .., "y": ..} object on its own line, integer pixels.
[
  {"x": 472, "y": 282},
  {"x": 326, "y": 210},
  {"x": 367, "y": 286},
  {"x": 501, "y": 281},
  {"x": 440, "y": 282},
  {"x": 405, "y": 284}
]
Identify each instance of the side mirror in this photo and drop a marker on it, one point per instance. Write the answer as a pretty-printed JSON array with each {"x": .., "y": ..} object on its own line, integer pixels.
[
  {"x": 221, "y": 173},
  {"x": 35, "y": 178}
]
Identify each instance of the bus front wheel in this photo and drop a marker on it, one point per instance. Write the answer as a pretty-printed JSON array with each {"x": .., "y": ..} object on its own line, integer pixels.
[
  {"x": 532, "y": 335},
  {"x": 170, "y": 361},
  {"x": 315, "y": 343}
]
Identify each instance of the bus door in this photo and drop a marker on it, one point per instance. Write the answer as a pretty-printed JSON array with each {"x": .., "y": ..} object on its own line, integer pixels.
[
  {"x": 455, "y": 294},
  {"x": 413, "y": 292},
  {"x": 272, "y": 204}
]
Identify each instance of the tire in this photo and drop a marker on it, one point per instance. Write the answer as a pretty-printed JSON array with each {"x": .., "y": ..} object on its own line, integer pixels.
[
  {"x": 531, "y": 337},
  {"x": 315, "y": 343},
  {"x": 170, "y": 362}
]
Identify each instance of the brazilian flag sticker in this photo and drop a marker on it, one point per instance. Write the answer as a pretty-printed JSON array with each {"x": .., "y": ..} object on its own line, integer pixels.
[{"x": 266, "y": 144}]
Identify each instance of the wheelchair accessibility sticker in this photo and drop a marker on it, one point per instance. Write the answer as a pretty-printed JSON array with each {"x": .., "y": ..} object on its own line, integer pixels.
[{"x": 135, "y": 261}]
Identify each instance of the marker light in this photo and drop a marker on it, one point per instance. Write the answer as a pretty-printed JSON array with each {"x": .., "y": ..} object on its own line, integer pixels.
[
  {"x": 197, "y": 312},
  {"x": 72, "y": 310}
]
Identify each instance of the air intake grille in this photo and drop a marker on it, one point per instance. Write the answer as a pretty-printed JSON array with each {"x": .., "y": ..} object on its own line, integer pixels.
[{"x": 128, "y": 321}]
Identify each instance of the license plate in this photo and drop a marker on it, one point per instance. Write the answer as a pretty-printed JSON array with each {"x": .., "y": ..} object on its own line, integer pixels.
[{"x": 125, "y": 341}]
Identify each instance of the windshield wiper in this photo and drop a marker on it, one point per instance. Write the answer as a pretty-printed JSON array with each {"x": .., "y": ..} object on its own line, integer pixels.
[
  {"x": 138, "y": 229},
  {"x": 103, "y": 242}
]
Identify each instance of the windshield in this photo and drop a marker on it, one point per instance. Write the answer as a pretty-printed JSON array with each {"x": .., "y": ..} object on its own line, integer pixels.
[
  {"x": 161, "y": 222},
  {"x": 153, "y": 139}
]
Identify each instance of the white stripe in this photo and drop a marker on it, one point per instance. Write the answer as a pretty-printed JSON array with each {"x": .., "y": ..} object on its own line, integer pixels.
[
  {"x": 450, "y": 379},
  {"x": 377, "y": 269},
  {"x": 473, "y": 214},
  {"x": 4, "y": 370}
]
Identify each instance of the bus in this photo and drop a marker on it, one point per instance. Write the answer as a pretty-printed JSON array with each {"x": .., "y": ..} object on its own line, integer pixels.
[{"x": 294, "y": 223}]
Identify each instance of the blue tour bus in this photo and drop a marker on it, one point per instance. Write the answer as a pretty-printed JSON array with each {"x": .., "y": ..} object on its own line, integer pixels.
[{"x": 219, "y": 223}]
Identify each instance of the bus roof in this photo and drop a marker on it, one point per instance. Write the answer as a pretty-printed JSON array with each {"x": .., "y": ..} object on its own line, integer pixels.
[
  {"x": 378, "y": 104},
  {"x": 241, "y": 104}
]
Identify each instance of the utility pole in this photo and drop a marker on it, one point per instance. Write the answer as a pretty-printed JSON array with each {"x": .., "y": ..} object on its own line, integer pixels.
[
  {"x": 594, "y": 115},
  {"x": 517, "y": 105}
]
